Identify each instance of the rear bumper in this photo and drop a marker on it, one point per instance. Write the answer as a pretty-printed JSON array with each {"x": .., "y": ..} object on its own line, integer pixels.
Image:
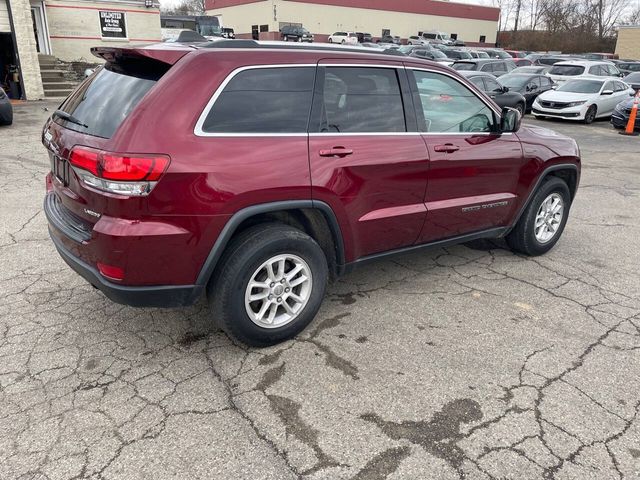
[{"x": 153, "y": 296}]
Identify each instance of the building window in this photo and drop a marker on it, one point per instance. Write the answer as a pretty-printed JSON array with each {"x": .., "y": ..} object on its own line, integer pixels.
[
  {"x": 264, "y": 28},
  {"x": 454, "y": 36},
  {"x": 483, "y": 39}
]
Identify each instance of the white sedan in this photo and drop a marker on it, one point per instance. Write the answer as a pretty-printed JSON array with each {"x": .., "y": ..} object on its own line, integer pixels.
[
  {"x": 583, "y": 100},
  {"x": 345, "y": 38}
]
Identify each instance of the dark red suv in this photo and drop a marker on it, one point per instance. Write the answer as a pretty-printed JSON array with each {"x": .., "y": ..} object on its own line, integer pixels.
[{"x": 256, "y": 172}]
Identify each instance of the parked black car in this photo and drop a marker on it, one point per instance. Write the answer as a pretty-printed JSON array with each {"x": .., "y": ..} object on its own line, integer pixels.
[
  {"x": 6, "y": 110},
  {"x": 293, "y": 33},
  {"x": 498, "y": 92},
  {"x": 620, "y": 116},
  {"x": 228, "y": 33},
  {"x": 633, "y": 79},
  {"x": 628, "y": 67},
  {"x": 390, "y": 39},
  {"x": 456, "y": 54},
  {"x": 364, "y": 37},
  {"x": 488, "y": 65},
  {"x": 528, "y": 85}
]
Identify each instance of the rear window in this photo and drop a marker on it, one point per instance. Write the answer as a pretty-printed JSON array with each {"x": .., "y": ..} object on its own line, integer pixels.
[
  {"x": 103, "y": 101},
  {"x": 264, "y": 100},
  {"x": 464, "y": 66},
  {"x": 566, "y": 70}
]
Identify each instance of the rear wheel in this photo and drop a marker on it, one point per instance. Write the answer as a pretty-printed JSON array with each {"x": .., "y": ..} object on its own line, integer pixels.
[
  {"x": 270, "y": 285},
  {"x": 543, "y": 221},
  {"x": 590, "y": 116},
  {"x": 330, "y": 40},
  {"x": 520, "y": 108},
  {"x": 343, "y": 42}
]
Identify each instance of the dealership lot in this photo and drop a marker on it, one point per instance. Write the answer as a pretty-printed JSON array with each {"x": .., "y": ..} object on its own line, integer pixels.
[{"x": 466, "y": 362}]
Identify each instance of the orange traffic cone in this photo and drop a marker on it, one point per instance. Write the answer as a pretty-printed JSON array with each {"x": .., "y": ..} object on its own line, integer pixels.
[{"x": 631, "y": 124}]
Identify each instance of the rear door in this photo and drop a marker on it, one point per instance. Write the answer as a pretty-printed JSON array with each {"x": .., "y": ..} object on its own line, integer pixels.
[
  {"x": 474, "y": 172},
  {"x": 367, "y": 160}
]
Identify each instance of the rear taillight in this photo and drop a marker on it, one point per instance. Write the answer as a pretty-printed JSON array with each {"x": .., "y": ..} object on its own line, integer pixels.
[{"x": 123, "y": 174}]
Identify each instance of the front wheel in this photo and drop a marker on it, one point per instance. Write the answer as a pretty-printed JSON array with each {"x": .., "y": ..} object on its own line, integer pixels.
[
  {"x": 543, "y": 221},
  {"x": 590, "y": 116},
  {"x": 343, "y": 42},
  {"x": 521, "y": 109},
  {"x": 330, "y": 40},
  {"x": 270, "y": 285}
]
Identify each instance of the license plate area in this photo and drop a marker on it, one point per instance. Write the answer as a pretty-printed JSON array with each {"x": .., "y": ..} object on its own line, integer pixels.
[{"x": 60, "y": 168}]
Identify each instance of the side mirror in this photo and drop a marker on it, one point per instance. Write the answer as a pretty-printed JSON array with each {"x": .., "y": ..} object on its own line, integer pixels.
[
  {"x": 510, "y": 121},
  {"x": 554, "y": 86},
  {"x": 504, "y": 89},
  {"x": 607, "y": 92}
]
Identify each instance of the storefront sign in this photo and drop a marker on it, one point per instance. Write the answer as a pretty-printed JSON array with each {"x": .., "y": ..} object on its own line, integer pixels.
[{"x": 112, "y": 25}]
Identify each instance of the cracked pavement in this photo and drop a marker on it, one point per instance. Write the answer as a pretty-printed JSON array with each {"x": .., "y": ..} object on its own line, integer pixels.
[{"x": 465, "y": 362}]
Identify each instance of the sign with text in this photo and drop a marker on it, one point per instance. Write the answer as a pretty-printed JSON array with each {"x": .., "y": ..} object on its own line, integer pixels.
[{"x": 112, "y": 25}]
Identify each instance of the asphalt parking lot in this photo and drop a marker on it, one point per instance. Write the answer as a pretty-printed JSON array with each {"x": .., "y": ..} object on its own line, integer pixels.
[{"x": 465, "y": 362}]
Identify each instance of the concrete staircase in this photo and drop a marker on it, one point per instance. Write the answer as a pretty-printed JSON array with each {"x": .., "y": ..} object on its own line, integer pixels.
[{"x": 58, "y": 79}]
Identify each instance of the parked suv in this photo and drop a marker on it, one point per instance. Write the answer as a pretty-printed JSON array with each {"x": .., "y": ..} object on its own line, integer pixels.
[
  {"x": 344, "y": 37},
  {"x": 159, "y": 192},
  {"x": 293, "y": 33},
  {"x": 488, "y": 65}
]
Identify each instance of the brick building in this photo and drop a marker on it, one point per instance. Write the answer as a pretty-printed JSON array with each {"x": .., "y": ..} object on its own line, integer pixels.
[
  {"x": 474, "y": 24},
  {"x": 40, "y": 38}
]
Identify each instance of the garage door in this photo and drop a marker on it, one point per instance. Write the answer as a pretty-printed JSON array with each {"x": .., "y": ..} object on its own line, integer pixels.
[{"x": 4, "y": 17}]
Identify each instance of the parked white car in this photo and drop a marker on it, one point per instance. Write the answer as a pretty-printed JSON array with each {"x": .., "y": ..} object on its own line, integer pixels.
[
  {"x": 416, "y": 40},
  {"x": 345, "y": 38},
  {"x": 570, "y": 70},
  {"x": 584, "y": 99}
]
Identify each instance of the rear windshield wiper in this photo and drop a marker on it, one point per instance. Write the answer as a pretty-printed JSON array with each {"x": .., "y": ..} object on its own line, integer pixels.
[{"x": 69, "y": 118}]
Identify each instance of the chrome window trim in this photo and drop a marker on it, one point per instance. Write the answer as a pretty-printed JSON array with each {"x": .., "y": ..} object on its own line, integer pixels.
[{"x": 199, "y": 132}]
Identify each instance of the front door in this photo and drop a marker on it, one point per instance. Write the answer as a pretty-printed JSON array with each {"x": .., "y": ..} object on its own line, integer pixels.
[
  {"x": 39, "y": 28},
  {"x": 474, "y": 172},
  {"x": 365, "y": 162}
]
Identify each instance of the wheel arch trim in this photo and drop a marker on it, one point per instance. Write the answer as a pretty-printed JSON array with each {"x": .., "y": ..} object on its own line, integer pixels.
[
  {"x": 240, "y": 216},
  {"x": 538, "y": 182}
]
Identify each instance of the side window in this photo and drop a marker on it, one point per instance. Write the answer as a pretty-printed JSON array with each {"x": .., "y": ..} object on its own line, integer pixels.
[
  {"x": 595, "y": 70},
  {"x": 264, "y": 100},
  {"x": 362, "y": 100},
  {"x": 487, "y": 67},
  {"x": 613, "y": 71},
  {"x": 477, "y": 81},
  {"x": 619, "y": 86},
  {"x": 544, "y": 81},
  {"x": 492, "y": 85},
  {"x": 536, "y": 81},
  {"x": 608, "y": 86},
  {"x": 448, "y": 106},
  {"x": 500, "y": 67}
]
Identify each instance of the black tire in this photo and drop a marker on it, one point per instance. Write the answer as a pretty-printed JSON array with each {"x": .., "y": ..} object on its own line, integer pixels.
[
  {"x": 343, "y": 42},
  {"x": 242, "y": 257},
  {"x": 330, "y": 40},
  {"x": 521, "y": 108},
  {"x": 522, "y": 238},
  {"x": 590, "y": 116}
]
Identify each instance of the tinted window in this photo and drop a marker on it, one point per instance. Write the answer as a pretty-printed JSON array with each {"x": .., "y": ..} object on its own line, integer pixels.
[
  {"x": 264, "y": 100},
  {"x": 488, "y": 67},
  {"x": 477, "y": 81},
  {"x": 464, "y": 66},
  {"x": 361, "y": 100},
  {"x": 448, "y": 106},
  {"x": 103, "y": 101},
  {"x": 613, "y": 71},
  {"x": 566, "y": 70},
  {"x": 492, "y": 85},
  {"x": 620, "y": 86}
]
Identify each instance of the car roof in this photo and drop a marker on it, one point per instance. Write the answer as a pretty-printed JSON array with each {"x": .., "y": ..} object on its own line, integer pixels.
[
  {"x": 480, "y": 60},
  {"x": 475, "y": 73},
  {"x": 582, "y": 63}
]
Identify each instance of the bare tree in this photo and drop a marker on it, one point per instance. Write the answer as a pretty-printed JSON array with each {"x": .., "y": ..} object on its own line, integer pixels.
[
  {"x": 633, "y": 18},
  {"x": 606, "y": 14}
]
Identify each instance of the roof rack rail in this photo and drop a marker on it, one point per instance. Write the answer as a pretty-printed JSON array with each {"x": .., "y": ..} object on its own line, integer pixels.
[{"x": 242, "y": 43}]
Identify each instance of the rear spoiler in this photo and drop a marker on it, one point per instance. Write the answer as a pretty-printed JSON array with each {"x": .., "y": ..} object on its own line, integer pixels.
[{"x": 160, "y": 52}]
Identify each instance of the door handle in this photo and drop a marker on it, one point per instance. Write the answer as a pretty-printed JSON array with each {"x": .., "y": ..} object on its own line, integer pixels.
[
  {"x": 336, "y": 152},
  {"x": 447, "y": 147}
]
